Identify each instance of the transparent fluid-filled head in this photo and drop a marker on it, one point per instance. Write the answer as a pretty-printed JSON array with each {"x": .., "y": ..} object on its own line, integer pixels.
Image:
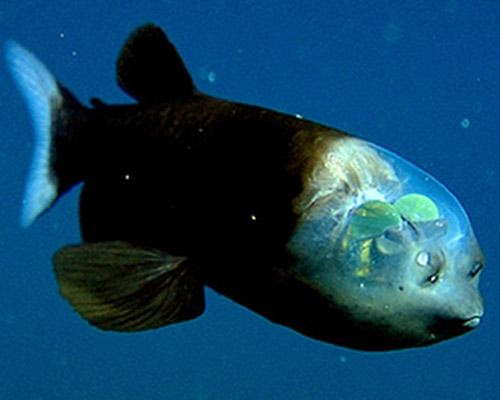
[
  {"x": 400, "y": 213},
  {"x": 387, "y": 243}
]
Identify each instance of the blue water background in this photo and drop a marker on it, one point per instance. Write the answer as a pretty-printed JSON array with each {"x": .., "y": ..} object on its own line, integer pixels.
[{"x": 419, "y": 77}]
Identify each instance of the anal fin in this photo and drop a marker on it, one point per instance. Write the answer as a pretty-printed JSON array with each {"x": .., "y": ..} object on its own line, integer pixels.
[{"x": 117, "y": 286}]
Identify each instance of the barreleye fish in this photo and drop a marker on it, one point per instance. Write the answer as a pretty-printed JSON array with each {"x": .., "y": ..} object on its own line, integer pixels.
[{"x": 310, "y": 227}]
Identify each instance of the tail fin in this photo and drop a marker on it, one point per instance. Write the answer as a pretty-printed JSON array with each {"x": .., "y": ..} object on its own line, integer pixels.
[{"x": 48, "y": 103}]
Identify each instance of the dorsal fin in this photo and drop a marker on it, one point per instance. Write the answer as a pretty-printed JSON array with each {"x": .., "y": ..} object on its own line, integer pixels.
[{"x": 150, "y": 69}]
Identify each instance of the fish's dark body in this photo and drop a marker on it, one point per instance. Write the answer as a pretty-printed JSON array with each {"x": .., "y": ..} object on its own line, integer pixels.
[
  {"x": 212, "y": 179},
  {"x": 305, "y": 225}
]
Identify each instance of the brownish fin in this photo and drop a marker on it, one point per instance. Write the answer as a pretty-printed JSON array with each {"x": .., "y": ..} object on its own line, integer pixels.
[
  {"x": 150, "y": 69},
  {"x": 119, "y": 287}
]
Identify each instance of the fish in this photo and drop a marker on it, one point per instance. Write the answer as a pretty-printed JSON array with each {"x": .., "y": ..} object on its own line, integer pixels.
[{"x": 310, "y": 227}]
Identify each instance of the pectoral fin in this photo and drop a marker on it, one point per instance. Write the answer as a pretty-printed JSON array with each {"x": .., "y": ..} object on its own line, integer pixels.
[{"x": 119, "y": 287}]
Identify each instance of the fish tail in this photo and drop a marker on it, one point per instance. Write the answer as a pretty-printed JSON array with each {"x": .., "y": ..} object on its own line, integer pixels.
[{"x": 52, "y": 108}]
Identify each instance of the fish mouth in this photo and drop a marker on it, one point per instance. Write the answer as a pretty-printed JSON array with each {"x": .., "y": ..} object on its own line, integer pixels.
[
  {"x": 455, "y": 327},
  {"x": 472, "y": 322}
]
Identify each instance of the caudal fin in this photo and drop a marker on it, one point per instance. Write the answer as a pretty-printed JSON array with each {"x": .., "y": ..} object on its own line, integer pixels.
[{"x": 48, "y": 103}]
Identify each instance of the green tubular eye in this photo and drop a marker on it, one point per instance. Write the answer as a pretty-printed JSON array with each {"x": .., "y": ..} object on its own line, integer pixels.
[
  {"x": 417, "y": 208},
  {"x": 373, "y": 218}
]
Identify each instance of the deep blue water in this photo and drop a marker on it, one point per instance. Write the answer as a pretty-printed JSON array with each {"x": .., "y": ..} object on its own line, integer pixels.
[{"x": 418, "y": 77}]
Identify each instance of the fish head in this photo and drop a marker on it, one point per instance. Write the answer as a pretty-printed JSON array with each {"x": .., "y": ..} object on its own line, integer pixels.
[{"x": 388, "y": 248}]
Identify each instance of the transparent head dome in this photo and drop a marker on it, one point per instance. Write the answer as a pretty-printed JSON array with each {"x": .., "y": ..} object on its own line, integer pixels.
[
  {"x": 407, "y": 216},
  {"x": 374, "y": 212},
  {"x": 386, "y": 246}
]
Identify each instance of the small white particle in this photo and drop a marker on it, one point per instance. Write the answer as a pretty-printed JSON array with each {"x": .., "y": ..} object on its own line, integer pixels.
[
  {"x": 253, "y": 217},
  {"x": 342, "y": 359},
  {"x": 73, "y": 53},
  {"x": 299, "y": 116},
  {"x": 61, "y": 35},
  {"x": 465, "y": 123},
  {"x": 200, "y": 130},
  {"x": 361, "y": 285},
  {"x": 207, "y": 74},
  {"x": 211, "y": 76},
  {"x": 127, "y": 177}
]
